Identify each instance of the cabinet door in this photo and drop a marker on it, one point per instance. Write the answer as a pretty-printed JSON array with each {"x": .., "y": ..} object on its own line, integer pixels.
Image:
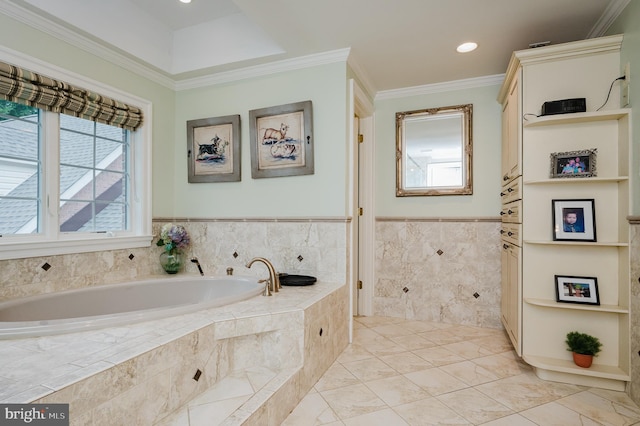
[
  {"x": 511, "y": 133},
  {"x": 510, "y": 302}
]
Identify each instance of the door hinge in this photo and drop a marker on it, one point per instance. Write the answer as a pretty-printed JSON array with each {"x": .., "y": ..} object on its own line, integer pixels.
[
  {"x": 360, "y": 211},
  {"x": 360, "y": 138},
  {"x": 359, "y": 285}
]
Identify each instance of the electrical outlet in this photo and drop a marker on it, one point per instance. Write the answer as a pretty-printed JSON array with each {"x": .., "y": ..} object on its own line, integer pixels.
[{"x": 624, "y": 88}]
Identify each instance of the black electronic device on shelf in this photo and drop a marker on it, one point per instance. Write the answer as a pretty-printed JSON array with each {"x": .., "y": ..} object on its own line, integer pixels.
[{"x": 564, "y": 106}]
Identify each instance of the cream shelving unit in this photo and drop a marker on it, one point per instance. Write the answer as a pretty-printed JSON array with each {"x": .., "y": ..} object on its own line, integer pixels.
[{"x": 580, "y": 67}]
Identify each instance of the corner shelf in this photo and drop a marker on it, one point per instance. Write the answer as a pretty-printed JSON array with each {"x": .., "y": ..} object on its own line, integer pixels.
[
  {"x": 577, "y": 243},
  {"x": 576, "y": 306},
  {"x": 577, "y": 117},
  {"x": 567, "y": 366},
  {"x": 591, "y": 180}
]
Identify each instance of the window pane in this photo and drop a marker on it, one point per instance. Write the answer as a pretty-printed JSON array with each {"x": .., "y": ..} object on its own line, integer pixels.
[
  {"x": 18, "y": 216},
  {"x": 76, "y": 149},
  {"x": 93, "y": 180},
  {"x": 109, "y": 132},
  {"x": 19, "y": 168}
]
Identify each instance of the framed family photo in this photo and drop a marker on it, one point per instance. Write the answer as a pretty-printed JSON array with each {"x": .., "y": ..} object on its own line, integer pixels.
[
  {"x": 213, "y": 149},
  {"x": 573, "y": 220},
  {"x": 570, "y": 289},
  {"x": 573, "y": 164},
  {"x": 281, "y": 140}
]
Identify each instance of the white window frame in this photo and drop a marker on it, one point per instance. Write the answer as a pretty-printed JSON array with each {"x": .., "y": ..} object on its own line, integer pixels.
[{"x": 52, "y": 242}]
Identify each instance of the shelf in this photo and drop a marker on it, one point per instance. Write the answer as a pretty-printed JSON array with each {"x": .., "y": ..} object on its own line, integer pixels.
[
  {"x": 577, "y": 180},
  {"x": 576, "y": 243},
  {"x": 567, "y": 366},
  {"x": 578, "y": 117},
  {"x": 577, "y": 306}
]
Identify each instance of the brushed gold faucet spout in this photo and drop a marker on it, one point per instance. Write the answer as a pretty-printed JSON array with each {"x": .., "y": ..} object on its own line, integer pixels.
[{"x": 274, "y": 281}]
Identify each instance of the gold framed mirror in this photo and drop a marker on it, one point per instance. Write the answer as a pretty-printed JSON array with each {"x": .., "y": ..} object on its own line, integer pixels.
[{"x": 434, "y": 151}]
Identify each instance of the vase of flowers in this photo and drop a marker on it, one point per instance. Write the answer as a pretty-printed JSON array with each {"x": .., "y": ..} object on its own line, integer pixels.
[{"x": 173, "y": 238}]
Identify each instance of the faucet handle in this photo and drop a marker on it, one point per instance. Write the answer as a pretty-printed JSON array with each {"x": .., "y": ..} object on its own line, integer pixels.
[{"x": 267, "y": 287}]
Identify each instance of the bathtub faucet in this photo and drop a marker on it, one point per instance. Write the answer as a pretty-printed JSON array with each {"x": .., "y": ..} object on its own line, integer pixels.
[
  {"x": 274, "y": 281},
  {"x": 195, "y": 260}
]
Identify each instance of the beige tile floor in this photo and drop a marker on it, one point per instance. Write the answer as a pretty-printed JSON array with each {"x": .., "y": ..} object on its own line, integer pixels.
[{"x": 399, "y": 372}]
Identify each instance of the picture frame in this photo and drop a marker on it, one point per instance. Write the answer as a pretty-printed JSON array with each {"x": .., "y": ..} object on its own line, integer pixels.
[
  {"x": 281, "y": 140},
  {"x": 213, "y": 149},
  {"x": 574, "y": 289},
  {"x": 574, "y": 220},
  {"x": 573, "y": 164}
]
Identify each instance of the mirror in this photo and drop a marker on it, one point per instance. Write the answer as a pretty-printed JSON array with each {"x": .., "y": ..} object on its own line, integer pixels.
[{"x": 433, "y": 151}]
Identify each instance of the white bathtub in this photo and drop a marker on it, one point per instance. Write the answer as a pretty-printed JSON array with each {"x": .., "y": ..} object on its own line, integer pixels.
[{"x": 118, "y": 304}]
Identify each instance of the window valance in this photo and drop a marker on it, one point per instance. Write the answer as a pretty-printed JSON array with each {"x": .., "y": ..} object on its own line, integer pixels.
[{"x": 26, "y": 87}]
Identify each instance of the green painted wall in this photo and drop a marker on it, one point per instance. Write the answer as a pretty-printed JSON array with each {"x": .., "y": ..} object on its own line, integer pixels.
[
  {"x": 485, "y": 201},
  {"x": 34, "y": 43},
  {"x": 320, "y": 194},
  {"x": 628, "y": 23}
]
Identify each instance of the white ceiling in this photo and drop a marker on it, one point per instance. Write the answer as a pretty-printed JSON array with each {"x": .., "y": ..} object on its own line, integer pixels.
[{"x": 394, "y": 44}]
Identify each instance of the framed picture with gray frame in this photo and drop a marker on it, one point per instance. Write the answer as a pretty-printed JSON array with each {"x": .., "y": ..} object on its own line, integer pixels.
[
  {"x": 213, "y": 149},
  {"x": 281, "y": 140}
]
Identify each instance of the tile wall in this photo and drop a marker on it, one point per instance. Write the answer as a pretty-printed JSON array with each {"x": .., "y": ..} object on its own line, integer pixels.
[
  {"x": 438, "y": 270},
  {"x": 316, "y": 247}
]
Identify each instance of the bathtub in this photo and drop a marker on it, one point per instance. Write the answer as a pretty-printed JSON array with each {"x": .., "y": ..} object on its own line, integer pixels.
[{"x": 118, "y": 304}]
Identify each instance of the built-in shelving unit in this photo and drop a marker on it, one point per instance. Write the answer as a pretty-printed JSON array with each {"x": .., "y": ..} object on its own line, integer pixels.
[{"x": 545, "y": 321}]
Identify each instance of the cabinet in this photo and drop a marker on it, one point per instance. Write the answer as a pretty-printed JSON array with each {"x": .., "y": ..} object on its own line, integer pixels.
[
  {"x": 534, "y": 320},
  {"x": 511, "y": 214}
]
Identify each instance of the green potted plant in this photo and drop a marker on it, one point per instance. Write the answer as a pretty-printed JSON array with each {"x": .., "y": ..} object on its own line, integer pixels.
[{"x": 584, "y": 348}]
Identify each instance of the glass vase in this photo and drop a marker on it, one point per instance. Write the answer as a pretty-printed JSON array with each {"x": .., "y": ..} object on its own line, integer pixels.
[{"x": 172, "y": 261}]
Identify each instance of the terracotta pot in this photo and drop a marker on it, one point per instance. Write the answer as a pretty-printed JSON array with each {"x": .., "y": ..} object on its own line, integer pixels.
[{"x": 581, "y": 360}]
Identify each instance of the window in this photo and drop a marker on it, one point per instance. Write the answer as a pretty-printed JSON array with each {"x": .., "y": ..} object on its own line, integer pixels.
[{"x": 69, "y": 184}]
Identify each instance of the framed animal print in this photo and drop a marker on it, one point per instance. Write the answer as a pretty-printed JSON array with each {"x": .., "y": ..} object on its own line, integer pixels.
[
  {"x": 213, "y": 149},
  {"x": 281, "y": 140}
]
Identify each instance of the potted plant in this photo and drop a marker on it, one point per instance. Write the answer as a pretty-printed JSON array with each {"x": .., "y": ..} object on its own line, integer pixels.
[{"x": 584, "y": 348}]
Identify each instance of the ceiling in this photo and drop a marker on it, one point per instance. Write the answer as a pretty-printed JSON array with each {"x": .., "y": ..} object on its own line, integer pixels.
[{"x": 392, "y": 44}]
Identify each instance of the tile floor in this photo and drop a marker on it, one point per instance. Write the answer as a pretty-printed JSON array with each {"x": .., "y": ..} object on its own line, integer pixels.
[{"x": 400, "y": 372}]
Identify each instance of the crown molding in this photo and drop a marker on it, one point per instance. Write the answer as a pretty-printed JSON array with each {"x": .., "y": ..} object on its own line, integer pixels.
[
  {"x": 85, "y": 43},
  {"x": 308, "y": 61},
  {"x": 361, "y": 74},
  {"x": 610, "y": 14},
  {"x": 469, "y": 83},
  {"x": 112, "y": 55}
]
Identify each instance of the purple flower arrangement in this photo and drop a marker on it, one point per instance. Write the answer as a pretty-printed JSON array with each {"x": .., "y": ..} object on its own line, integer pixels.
[{"x": 173, "y": 237}]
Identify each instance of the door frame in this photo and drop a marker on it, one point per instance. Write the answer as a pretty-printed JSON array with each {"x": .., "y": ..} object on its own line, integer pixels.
[{"x": 361, "y": 195}]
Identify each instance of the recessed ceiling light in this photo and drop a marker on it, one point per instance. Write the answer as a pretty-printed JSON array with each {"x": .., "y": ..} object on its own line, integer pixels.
[
  {"x": 467, "y": 47},
  {"x": 185, "y": 1}
]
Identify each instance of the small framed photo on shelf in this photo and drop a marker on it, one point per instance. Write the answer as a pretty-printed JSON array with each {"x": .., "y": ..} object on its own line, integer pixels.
[
  {"x": 573, "y": 220},
  {"x": 573, "y": 164},
  {"x": 570, "y": 289}
]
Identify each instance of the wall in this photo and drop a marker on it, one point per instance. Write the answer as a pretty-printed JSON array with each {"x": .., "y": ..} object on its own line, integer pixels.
[
  {"x": 485, "y": 201},
  {"x": 39, "y": 45},
  {"x": 319, "y": 195},
  {"x": 628, "y": 24},
  {"x": 438, "y": 258},
  {"x": 321, "y": 245}
]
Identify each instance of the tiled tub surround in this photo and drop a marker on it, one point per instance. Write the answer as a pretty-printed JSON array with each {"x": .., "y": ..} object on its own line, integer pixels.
[
  {"x": 140, "y": 374},
  {"x": 315, "y": 247},
  {"x": 442, "y": 270}
]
